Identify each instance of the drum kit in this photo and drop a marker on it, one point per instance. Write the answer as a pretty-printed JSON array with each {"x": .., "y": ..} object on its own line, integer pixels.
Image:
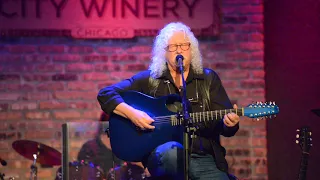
[{"x": 48, "y": 156}]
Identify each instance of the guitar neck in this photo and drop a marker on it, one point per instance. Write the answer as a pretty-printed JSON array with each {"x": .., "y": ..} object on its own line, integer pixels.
[
  {"x": 303, "y": 166},
  {"x": 214, "y": 115}
]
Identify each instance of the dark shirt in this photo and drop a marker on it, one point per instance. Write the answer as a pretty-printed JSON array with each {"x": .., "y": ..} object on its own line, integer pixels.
[
  {"x": 209, "y": 135},
  {"x": 94, "y": 151}
]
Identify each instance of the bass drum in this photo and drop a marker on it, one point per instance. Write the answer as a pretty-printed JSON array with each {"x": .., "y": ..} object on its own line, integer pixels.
[
  {"x": 126, "y": 172},
  {"x": 81, "y": 171}
]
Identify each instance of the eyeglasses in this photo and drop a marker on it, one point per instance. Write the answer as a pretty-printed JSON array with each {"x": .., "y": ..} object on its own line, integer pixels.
[{"x": 174, "y": 47}]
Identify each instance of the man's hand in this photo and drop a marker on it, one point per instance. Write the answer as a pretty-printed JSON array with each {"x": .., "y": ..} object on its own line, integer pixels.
[
  {"x": 231, "y": 119},
  {"x": 141, "y": 119}
]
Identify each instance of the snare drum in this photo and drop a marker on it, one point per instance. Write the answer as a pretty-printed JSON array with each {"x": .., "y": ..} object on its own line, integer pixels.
[{"x": 81, "y": 171}]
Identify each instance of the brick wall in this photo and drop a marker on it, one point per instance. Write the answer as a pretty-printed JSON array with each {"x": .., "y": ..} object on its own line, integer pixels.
[{"x": 45, "y": 82}]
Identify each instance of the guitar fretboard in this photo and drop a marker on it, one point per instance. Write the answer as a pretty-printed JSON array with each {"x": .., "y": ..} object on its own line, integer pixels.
[
  {"x": 303, "y": 166},
  {"x": 199, "y": 117}
]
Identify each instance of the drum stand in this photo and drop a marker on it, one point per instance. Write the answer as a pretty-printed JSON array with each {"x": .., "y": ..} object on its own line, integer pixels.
[{"x": 34, "y": 168}]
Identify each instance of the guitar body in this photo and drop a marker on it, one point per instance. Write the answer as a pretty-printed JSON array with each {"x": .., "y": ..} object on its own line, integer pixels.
[{"x": 131, "y": 144}]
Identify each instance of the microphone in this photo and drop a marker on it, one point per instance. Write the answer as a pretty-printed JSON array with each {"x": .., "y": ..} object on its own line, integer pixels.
[
  {"x": 3, "y": 162},
  {"x": 179, "y": 57}
]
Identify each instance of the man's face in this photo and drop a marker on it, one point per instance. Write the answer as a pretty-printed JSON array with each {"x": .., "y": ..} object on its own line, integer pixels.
[{"x": 178, "y": 44}]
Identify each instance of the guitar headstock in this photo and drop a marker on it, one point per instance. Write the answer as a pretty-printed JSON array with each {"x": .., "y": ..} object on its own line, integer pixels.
[
  {"x": 303, "y": 138},
  {"x": 261, "y": 110}
]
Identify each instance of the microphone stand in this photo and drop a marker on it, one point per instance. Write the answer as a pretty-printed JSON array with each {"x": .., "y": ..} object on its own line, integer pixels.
[{"x": 185, "y": 119}]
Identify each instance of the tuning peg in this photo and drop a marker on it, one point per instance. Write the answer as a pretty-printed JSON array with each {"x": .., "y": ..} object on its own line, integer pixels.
[
  {"x": 258, "y": 119},
  {"x": 298, "y": 130},
  {"x": 297, "y": 136},
  {"x": 297, "y": 142},
  {"x": 275, "y": 115},
  {"x": 310, "y": 133}
]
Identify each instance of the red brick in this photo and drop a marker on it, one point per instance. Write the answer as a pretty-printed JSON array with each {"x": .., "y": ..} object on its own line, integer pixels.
[
  {"x": 136, "y": 67},
  {"x": 65, "y": 115},
  {"x": 257, "y": 93},
  {"x": 4, "y": 59},
  {"x": 251, "y": 28},
  {"x": 19, "y": 68},
  {"x": 139, "y": 49},
  {"x": 261, "y": 170},
  {"x": 49, "y": 68},
  {"x": 229, "y": 84},
  {"x": 257, "y": 9},
  {"x": 51, "y": 86},
  {"x": 115, "y": 50},
  {"x": 124, "y": 57},
  {"x": 234, "y": 142},
  {"x": 10, "y": 96},
  {"x": 260, "y": 152},
  {"x": 52, "y": 49},
  {"x": 24, "y": 106},
  {"x": 22, "y": 48},
  {"x": 4, "y": 107},
  {"x": 95, "y": 58},
  {"x": 67, "y": 58},
  {"x": 9, "y": 77},
  {"x": 83, "y": 105},
  {"x": 106, "y": 83},
  {"x": 79, "y": 67},
  {"x": 259, "y": 132},
  {"x": 121, "y": 75},
  {"x": 10, "y": 116},
  {"x": 237, "y": 56},
  {"x": 4, "y": 146},
  {"x": 37, "y": 77},
  {"x": 64, "y": 77},
  {"x": 237, "y": 93},
  {"x": 80, "y": 49},
  {"x": 37, "y": 96},
  {"x": 234, "y": 74},
  {"x": 252, "y": 65},
  {"x": 40, "y": 134},
  {"x": 16, "y": 87},
  {"x": 75, "y": 95},
  {"x": 81, "y": 86},
  {"x": 209, "y": 56},
  {"x": 257, "y": 18},
  {"x": 223, "y": 65},
  {"x": 258, "y": 74},
  {"x": 256, "y": 37},
  {"x": 259, "y": 142},
  {"x": 37, "y": 115},
  {"x": 223, "y": 47},
  {"x": 257, "y": 56},
  {"x": 252, "y": 84},
  {"x": 107, "y": 67},
  {"x": 37, "y": 58},
  {"x": 96, "y": 76},
  {"x": 52, "y": 105},
  {"x": 251, "y": 46},
  {"x": 91, "y": 114}
]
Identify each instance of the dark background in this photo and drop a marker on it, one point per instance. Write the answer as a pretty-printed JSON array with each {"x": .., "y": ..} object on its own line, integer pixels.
[{"x": 292, "y": 61}]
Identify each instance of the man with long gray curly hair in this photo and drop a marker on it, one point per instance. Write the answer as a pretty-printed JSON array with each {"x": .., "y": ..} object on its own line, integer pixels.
[{"x": 205, "y": 92}]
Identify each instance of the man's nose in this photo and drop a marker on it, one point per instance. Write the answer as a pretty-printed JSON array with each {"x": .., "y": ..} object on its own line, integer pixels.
[{"x": 179, "y": 50}]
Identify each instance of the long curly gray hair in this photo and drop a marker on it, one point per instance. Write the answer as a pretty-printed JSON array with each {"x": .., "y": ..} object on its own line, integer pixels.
[{"x": 158, "y": 64}]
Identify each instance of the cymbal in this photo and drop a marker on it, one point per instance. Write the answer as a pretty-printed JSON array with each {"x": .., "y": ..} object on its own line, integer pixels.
[
  {"x": 45, "y": 154},
  {"x": 316, "y": 111}
]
